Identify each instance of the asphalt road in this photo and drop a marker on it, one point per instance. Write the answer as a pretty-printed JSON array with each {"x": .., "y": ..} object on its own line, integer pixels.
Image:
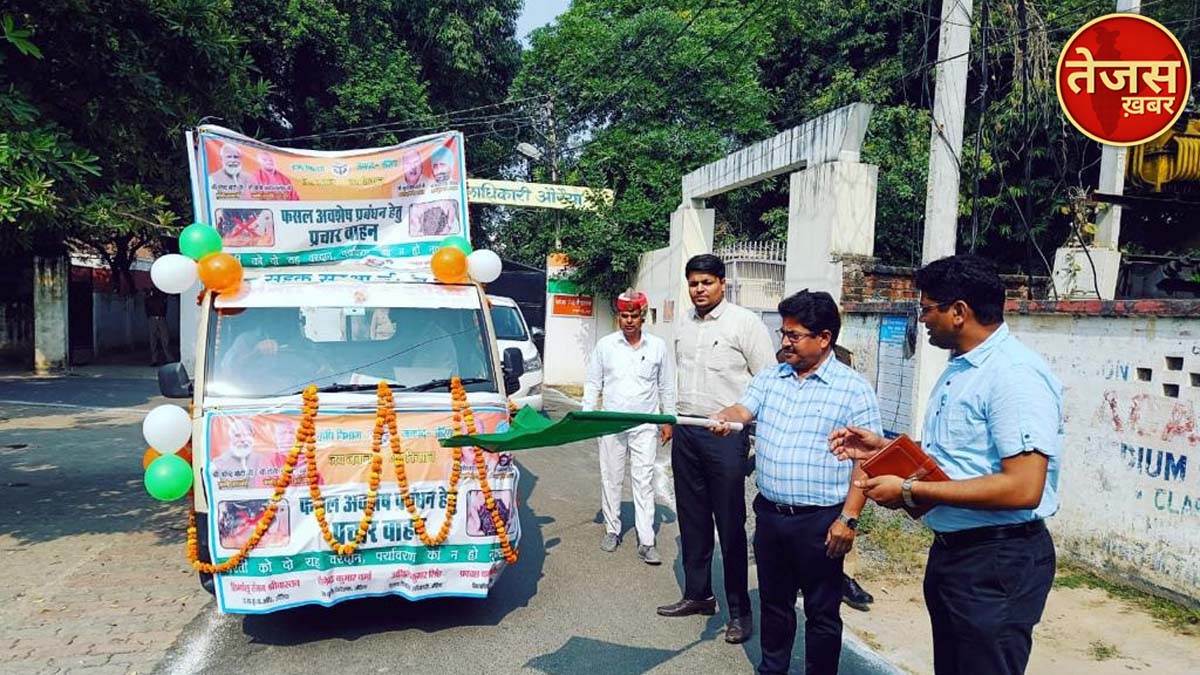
[{"x": 565, "y": 607}]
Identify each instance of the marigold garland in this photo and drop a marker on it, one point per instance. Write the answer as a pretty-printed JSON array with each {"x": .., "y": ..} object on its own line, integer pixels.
[
  {"x": 399, "y": 465},
  {"x": 306, "y": 439}
]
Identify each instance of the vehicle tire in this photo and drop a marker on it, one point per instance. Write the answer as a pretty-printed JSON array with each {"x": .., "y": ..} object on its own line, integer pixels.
[{"x": 206, "y": 580}]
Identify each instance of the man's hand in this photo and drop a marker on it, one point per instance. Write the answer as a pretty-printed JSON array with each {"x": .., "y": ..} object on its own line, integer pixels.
[
  {"x": 839, "y": 540},
  {"x": 267, "y": 347},
  {"x": 883, "y": 490},
  {"x": 664, "y": 433},
  {"x": 721, "y": 429},
  {"x": 855, "y": 443}
]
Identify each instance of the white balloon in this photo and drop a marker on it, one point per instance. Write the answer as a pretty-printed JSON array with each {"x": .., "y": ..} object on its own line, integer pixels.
[
  {"x": 484, "y": 266},
  {"x": 167, "y": 428},
  {"x": 173, "y": 273}
]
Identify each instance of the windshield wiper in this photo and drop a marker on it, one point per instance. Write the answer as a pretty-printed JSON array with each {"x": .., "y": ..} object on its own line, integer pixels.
[
  {"x": 361, "y": 386},
  {"x": 444, "y": 382}
]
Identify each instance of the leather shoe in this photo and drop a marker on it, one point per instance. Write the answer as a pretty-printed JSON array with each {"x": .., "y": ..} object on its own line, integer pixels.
[
  {"x": 855, "y": 596},
  {"x": 739, "y": 630},
  {"x": 687, "y": 607}
]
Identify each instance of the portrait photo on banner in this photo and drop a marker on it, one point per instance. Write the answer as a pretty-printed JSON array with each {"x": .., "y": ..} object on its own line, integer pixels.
[
  {"x": 430, "y": 219},
  {"x": 240, "y": 228},
  {"x": 236, "y": 521}
]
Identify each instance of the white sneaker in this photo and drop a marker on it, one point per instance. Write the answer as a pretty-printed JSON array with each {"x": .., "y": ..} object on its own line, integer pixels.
[
  {"x": 610, "y": 542},
  {"x": 649, "y": 555}
]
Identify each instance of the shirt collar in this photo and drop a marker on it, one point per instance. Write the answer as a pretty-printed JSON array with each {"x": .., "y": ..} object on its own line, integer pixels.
[
  {"x": 984, "y": 349},
  {"x": 621, "y": 337},
  {"x": 715, "y": 313},
  {"x": 821, "y": 373}
]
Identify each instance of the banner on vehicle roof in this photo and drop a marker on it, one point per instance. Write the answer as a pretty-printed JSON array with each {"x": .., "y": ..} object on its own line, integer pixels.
[{"x": 286, "y": 206}]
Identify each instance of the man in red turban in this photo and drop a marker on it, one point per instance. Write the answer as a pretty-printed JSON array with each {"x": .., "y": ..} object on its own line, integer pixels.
[{"x": 636, "y": 374}]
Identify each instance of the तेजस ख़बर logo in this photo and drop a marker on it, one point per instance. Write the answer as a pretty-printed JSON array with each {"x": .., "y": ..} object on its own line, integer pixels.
[{"x": 1123, "y": 79}]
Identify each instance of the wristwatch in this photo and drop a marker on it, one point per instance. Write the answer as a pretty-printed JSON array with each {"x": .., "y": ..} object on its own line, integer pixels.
[
  {"x": 906, "y": 493},
  {"x": 851, "y": 523}
]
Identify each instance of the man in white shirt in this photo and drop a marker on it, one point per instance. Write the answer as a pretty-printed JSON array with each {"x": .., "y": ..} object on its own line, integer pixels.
[
  {"x": 719, "y": 348},
  {"x": 634, "y": 373}
]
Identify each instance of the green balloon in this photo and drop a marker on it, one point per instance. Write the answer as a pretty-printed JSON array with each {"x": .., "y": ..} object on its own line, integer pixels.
[
  {"x": 168, "y": 478},
  {"x": 459, "y": 243},
  {"x": 198, "y": 240}
]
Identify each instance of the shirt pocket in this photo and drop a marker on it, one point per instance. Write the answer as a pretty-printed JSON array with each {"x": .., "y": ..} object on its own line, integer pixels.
[
  {"x": 965, "y": 427},
  {"x": 647, "y": 369},
  {"x": 724, "y": 358}
]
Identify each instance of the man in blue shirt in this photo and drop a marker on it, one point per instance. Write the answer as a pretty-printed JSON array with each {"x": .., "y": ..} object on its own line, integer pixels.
[
  {"x": 995, "y": 426},
  {"x": 806, "y": 510}
]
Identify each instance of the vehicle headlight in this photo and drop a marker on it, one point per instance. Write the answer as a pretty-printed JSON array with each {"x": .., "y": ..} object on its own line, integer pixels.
[{"x": 533, "y": 364}]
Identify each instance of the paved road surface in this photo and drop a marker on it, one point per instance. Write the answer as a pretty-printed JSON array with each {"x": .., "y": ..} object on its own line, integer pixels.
[
  {"x": 565, "y": 608},
  {"x": 97, "y": 582}
]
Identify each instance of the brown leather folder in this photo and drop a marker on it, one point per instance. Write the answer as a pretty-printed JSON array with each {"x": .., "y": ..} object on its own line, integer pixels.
[{"x": 904, "y": 458}]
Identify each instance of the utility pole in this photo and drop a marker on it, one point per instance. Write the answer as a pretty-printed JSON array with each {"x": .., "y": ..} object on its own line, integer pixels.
[
  {"x": 1112, "y": 180},
  {"x": 941, "y": 196},
  {"x": 552, "y": 140}
]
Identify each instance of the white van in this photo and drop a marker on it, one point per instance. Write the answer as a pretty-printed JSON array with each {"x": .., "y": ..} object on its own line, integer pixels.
[
  {"x": 513, "y": 331},
  {"x": 303, "y": 351}
]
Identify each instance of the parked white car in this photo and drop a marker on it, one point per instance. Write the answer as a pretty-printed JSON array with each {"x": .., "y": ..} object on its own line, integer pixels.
[{"x": 513, "y": 331}]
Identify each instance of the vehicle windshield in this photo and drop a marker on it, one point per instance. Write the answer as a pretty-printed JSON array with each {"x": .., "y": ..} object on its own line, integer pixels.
[
  {"x": 508, "y": 324},
  {"x": 275, "y": 351}
]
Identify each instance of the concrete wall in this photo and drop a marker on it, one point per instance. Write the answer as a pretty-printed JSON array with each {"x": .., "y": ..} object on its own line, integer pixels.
[
  {"x": 1130, "y": 481},
  {"x": 831, "y": 212},
  {"x": 570, "y": 341},
  {"x": 119, "y": 324}
]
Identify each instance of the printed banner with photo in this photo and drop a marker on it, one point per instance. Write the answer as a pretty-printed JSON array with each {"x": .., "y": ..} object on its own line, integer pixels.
[
  {"x": 283, "y": 206},
  {"x": 293, "y": 565}
]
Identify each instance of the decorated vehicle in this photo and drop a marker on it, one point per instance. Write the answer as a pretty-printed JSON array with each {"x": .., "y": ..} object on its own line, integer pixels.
[{"x": 341, "y": 332}]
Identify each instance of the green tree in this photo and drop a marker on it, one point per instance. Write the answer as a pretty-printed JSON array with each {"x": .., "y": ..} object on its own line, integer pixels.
[
  {"x": 39, "y": 165},
  {"x": 121, "y": 81},
  {"x": 642, "y": 93}
]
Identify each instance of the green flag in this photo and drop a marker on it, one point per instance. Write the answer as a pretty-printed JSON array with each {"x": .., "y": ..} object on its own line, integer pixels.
[{"x": 530, "y": 430}]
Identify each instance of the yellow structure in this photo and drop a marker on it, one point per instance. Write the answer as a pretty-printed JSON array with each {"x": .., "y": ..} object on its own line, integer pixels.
[{"x": 1171, "y": 157}]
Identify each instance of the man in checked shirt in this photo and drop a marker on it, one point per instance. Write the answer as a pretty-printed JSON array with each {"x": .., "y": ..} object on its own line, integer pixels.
[{"x": 806, "y": 510}]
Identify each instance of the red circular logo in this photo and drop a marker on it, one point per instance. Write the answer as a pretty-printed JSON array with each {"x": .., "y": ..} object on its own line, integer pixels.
[{"x": 1123, "y": 79}]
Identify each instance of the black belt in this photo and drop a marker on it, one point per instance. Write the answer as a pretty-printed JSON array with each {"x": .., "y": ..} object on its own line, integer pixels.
[
  {"x": 990, "y": 533},
  {"x": 789, "y": 509}
]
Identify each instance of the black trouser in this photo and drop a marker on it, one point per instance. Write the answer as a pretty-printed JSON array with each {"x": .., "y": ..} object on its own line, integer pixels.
[
  {"x": 791, "y": 554},
  {"x": 984, "y": 597},
  {"x": 710, "y": 484}
]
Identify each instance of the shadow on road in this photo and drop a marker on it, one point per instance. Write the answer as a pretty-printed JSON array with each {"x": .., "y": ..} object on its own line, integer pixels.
[
  {"x": 68, "y": 471},
  {"x": 359, "y": 618}
]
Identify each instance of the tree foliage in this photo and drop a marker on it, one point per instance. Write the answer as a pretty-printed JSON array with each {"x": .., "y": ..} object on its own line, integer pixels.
[
  {"x": 796, "y": 61},
  {"x": 95, "y": 96},
  {"x": 641, "y": 95}
]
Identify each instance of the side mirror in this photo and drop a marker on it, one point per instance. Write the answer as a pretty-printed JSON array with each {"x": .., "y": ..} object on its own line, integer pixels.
[
  {"x": 173, "y": 381},
  {"x": 513, "y": 364},
  {"x": 537, "y": 333}
]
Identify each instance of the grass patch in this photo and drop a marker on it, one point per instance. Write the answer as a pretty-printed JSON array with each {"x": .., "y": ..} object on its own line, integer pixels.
[
  {"x": 1102, "y": 651},
  {"x": 895, "y": 543},
  {"x": 1184, "y": 620}
]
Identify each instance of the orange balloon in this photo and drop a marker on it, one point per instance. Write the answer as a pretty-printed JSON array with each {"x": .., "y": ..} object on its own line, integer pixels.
[
  {"x": 449, "y": 265},
  {"x": 149, "y": 456},
  {"x": 220, "y": 272},
  {"x": 186, "y": 453}
]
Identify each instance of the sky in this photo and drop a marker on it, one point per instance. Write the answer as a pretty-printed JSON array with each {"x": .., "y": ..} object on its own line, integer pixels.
[{"x": 538, "y": 13}]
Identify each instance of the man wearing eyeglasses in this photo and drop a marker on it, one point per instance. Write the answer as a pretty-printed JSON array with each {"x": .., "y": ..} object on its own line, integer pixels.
[
  {"x": 995, "y": 426},
  {"x": 806, "y": 510}
]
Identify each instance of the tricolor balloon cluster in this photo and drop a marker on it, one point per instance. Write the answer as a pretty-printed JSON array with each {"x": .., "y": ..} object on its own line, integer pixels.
[
  {"x": 202, "y": 258},
  {"x": 168, "y": 461},
  {"x": 454, "y": 262}
]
